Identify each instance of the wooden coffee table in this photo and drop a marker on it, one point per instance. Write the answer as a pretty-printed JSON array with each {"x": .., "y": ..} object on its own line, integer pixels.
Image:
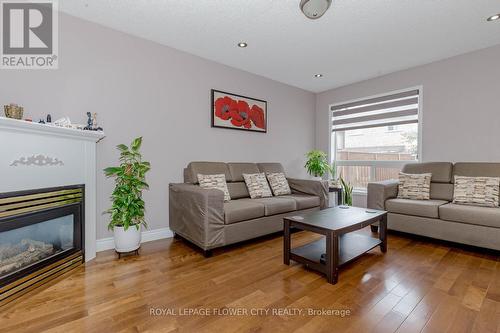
[{"x": 340, "y": 244}]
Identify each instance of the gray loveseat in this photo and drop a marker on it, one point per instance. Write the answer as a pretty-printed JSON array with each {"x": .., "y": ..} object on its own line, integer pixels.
[
  {"x": 202, "y": 217},
  {"x": 439, "y": 217}
]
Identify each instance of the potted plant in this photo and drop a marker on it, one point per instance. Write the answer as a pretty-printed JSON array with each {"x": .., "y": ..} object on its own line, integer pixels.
[
  {"x": 127, "y": 209},
  {"x": 334, "y": 181},
  {"x": 346, "y": 192},
  {"x": 317, "y": 163}
]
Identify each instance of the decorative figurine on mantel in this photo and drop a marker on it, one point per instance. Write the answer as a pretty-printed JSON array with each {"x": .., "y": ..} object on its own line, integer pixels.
[
  {"x": 89, "y": 122},
  {"x": 92, "y": 122}
]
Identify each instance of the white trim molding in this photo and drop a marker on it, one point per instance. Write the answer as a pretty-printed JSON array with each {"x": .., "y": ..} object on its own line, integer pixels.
[{"x": 108, "y": 243}]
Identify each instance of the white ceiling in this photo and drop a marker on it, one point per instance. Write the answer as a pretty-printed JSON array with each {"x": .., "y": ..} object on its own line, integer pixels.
[{"x": 355, "y": 40}]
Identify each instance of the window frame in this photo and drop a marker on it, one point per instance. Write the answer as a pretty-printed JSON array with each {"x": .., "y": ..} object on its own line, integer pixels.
[{"x": 376, "y": 164}]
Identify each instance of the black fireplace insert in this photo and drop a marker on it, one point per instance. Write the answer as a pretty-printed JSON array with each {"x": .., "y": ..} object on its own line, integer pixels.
[{"x": 41, "y": 237}]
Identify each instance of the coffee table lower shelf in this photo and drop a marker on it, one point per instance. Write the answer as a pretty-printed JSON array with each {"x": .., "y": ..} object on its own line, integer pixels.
[{"x": 352, "y": 246}]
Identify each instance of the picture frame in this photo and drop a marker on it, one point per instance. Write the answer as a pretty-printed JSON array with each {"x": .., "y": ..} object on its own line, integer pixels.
[{"x": 233, "y": 111}]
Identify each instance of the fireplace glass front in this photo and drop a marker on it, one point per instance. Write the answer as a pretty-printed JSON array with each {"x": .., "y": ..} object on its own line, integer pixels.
[
  {"x": 41, "y": 235},
  {"x": 25, "y": 246}
]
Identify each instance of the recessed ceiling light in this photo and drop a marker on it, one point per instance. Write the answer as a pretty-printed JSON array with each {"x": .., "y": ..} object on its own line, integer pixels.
[
  {"x": 318, "y": 75},
  {"x": 493, "y": 18},
  {"x": 242, "y": 44}
]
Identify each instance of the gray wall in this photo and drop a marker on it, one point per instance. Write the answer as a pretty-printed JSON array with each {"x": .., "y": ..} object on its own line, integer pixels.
[
  {"x": 138, "y": 88},
  {"x": 461, "y": 108}
]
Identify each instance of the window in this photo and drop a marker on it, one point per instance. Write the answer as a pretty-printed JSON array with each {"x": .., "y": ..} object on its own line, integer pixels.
[{"x": 373, "y": 138}]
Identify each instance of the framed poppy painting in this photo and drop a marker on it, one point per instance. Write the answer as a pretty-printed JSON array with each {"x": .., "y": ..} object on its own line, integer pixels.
[{"x": 238, "y": 112}]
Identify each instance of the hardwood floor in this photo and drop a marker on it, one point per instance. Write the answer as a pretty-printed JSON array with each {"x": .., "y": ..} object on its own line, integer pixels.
[{"x": 417, "y": 286}]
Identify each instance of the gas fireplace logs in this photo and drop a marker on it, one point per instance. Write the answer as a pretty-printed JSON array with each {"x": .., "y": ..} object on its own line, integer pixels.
[{"x": 26, "y": 252}]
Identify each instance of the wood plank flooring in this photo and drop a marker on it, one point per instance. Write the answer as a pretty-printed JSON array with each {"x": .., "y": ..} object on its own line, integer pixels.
[{"x": 418, "y": 286}]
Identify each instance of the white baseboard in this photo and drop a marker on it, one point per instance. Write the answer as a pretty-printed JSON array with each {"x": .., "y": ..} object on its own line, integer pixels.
[{"x": 104, "y": 244}]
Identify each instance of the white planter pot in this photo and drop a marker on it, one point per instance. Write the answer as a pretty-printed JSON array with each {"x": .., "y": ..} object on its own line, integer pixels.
[{"x": 127, "y": 241}]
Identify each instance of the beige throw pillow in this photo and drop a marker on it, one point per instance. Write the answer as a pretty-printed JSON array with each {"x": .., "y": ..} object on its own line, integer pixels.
[
  {"x": 257, "y": 185},
  {"x": 217, "y": 182},
  {"x": 476, "y": 191},
  {"x": 414, "y": 186},
  {"x": 279, "y": 184}
]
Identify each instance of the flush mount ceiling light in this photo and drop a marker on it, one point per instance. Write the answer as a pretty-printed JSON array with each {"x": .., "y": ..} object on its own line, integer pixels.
[
  {"x": 242, "y": 44},
  {"x": 493, "y": 18},
  {"x": 318, "y": 75},
  {"x": 314, "y": 9}
]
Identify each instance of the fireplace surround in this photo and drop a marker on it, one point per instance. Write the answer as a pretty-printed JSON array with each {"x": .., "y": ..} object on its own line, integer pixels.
[
  {"x": 36, "y": 156},
  {"x": 41, "y": 237},
  {"x": 41, "y": 156}
]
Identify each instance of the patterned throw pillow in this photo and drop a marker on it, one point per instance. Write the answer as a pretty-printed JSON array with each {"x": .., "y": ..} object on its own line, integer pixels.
[
  {"x": 414, "y": 186},
  {"x": 278, "y": 183},
  {"x": 477, "y": 191},
  {"x": 217, "y": 182},
  {"x": 257, "y": 185}
]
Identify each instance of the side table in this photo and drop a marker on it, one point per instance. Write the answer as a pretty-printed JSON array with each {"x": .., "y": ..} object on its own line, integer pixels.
[{"x": 339, "y": 194}]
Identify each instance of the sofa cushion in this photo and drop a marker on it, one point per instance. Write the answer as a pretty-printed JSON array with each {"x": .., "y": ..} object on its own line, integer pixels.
[
  {"x": 476, "y": 191},
  {"x": 441, "y": 171},
  {"x": 242, "y": 210},
  {"x": 442, "y": 191},
  {"x": 238, "y": 190},
  {"x": 303, "y": 201},
  {"x": 424, "y": 208},
  {"x": 414, "y": 186},
  {"x": 217, "y": 182},
  {"x": 279, "y": 184},
  {"x": 238, "y": 169},
  {"x": 257, "y": 185},
  {"x": 271, "y": 167},
  {"x": 485, "y": 216},
  {"x": 476, "y": 169},
  {"x": 275, "y": 206},
  {"x": 205, "y": 168}
]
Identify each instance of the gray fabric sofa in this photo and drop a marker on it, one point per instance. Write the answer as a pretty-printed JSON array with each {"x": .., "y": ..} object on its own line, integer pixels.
[
  {"x": 439, "y": 218},
  {"x": 202, "y": 217}
]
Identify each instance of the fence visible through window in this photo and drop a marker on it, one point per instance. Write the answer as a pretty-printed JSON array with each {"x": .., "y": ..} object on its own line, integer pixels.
[{"x": 373, "y": 138}]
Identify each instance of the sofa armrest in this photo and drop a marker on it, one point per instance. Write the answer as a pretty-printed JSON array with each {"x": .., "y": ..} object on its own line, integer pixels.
[
  {"x": 313, "y": 187},
  {"x": 379, "y": 192},
  {"x": 197, "y": 214}
]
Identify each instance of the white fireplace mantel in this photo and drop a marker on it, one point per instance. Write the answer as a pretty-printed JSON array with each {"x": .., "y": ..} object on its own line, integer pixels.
[
  {"x": 44, "y": 129},
  {"x": 34, "y": 156}
]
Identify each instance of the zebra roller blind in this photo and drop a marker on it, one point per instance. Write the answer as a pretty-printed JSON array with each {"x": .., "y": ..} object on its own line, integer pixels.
[{"x": 390, "y": 110}]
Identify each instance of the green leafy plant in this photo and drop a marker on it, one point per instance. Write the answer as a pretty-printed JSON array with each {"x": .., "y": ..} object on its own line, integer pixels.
[
  {"x": 346, "y": 191},
  {"x": 317, "y": 163},
  {"x": 130, "y": 180}
]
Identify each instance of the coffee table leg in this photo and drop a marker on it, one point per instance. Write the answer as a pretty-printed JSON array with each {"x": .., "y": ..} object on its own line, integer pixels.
[
  {"x": 286, "y": 242},
  {"x": 383, "y": 234},
  {"x": 332, "y": 257}
]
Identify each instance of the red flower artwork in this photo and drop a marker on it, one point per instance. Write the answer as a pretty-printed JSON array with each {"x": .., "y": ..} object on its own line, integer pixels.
[
  {"x": 223, "y": 105},
  {"x": 241, "y": 115},
  {"x": 238, "y": 113},
  {"x": 257, "y": 116}
]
